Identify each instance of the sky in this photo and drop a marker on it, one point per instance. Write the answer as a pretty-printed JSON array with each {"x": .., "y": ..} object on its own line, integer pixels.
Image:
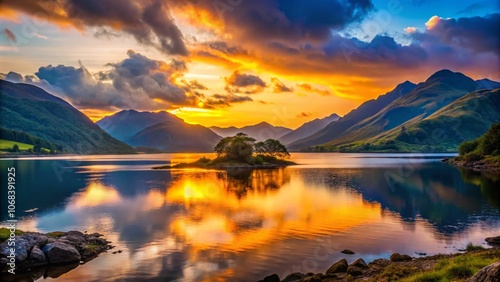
[{"x": 240, "y": 62}]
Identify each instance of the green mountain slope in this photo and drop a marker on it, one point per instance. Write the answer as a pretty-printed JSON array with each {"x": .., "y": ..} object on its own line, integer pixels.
[
  {"x": 464, "y": 119},
  {"x": 175, "y": 136},
  {"x": 366, "y": 110},
  {"x": 437, "y": 91},
  {"x": 28, "y": 108}
]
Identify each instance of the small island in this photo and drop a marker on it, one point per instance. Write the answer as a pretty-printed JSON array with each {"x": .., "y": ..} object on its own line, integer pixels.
[
  {"x": 242, "y": 151},
  {"x": 481, "y": 154}
]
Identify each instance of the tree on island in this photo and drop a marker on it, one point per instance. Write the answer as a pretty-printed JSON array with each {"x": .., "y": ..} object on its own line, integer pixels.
[{"x": 242, "y": 148}]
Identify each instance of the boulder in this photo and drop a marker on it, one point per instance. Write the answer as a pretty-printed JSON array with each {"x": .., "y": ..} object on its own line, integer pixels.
[
  {"x": 359, "y": 263},
  {"x": 37, "y": 257},
  {"x": 271, "y": 278},
  {"x": 59, "y": 252},
  {"x": 296, "y": 276},
  {"x": 35, "y": 239},
  {"x": 399, "y": 257},
  {"x": 490, "y": 273},
  {"x": 347, "y": 252},
  {"x": 338, "y": 267},
  {"x": 318, "y": 277},
  {"x": 354, "y": 270},
  {"x": 22, "y": 248},
  {"x": 493, "y": 240},
  {"x": 76, "y": 241}
]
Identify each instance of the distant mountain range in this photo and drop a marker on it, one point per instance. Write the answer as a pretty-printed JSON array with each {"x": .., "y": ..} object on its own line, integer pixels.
[
  {"x": 308, "y": 129},
  {"x": 29, "y": 109},
  {"x": 159, "y": 130},
  {"x": 260, "y": 131},
  {"x": 384, "y": 124}
]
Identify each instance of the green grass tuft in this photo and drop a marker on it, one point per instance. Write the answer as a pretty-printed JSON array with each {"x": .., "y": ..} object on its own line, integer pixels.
[{"x": 5, "y": 233}]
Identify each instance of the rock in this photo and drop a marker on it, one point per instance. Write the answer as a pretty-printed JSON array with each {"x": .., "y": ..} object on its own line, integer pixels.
[
  {"x": 271, "y": 278},
  {"x": 76, "y": 233},
  {"x": 37, "y": 257},
  {"x": 59, "y": 252},
  {"x": 359, "y": 263},
  {"x": 421, "y": 254},
  {"x": 296, "y": 276},
  {"x": 318, "y": 277},
  {"x": 36, "y": 239},
  {"x": 493, "y": 240},
  {"x": 398, "y": 257},
  {"x": 22, "y": 248},
  {"x": 490, "y": 273},
  {"x": 348, "y": 252},
  {"x": 338, "y": 267},
  {"x": 354, "y": 270},
  {"x": 445, "y": 160}
]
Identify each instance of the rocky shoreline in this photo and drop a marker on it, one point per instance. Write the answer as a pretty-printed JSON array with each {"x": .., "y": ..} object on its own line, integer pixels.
[
  {"x": 399, "y": 266},
  {"x": 36, "y": 250},
  {"x": 476, "y": 166}
]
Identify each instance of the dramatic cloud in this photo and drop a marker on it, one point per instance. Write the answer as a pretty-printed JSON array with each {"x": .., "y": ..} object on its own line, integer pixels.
[
  {"x": 136, "y": 82},
  {"x": 148, "y": 21},
  {"x": 244, "y": 83},
  {"x": 9, "y": 34},
  {"x": 410, "y": 29},
  {"x": 480, "y": 34},
  {"x": 279, "y": 87},
  {"x": 308, "y": 88},
  {"x": 287, "y": 20},
  {"x": 219, "y": 100}
]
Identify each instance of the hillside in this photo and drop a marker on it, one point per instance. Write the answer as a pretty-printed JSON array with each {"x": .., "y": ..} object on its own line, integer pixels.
[
  {"x": 437, "y": 91},
  {"x": 175, "y": 136},
  {"x": 260, "y": 131},
  {"x": 125, "y": 124},
  {"x": 30, "y": 109},
  {"x": 366, "y": 110},
  {"x": 308, "y": 129}
]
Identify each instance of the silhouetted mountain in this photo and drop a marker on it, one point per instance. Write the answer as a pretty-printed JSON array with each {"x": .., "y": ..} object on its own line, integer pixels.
[
  {"x": 308, "y": 129},
  {"x": 367, "y": 109},
  {"x": 261, "y": 131},
  {"x": 174, "y": 136},
  {"x": 125, "y": 124},
  {"x": 487, "y": 84},
  {"x": 30, "y": 109}
]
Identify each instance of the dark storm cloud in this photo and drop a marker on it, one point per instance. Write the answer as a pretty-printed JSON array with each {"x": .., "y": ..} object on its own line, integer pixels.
[
  {"x": 148, "y": 21},
  {"x": 10, "y": 35},
  {"x": 280, "y": 19},
  {"x": 480, "y": 34},
  {"x": 472, "y": 8},
  {"x": 244, "y": 83}
]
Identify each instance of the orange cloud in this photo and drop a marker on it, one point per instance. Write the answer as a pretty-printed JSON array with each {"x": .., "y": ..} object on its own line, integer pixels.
[{"x": 432, "y": 22}]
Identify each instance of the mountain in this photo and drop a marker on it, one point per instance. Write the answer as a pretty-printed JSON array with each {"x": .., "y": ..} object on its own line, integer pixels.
[
  {"x": 367, "y": 109},
  {"x": 421, "y": 119},
  {"x": 28, "y": 108},
  {"x": 308, "y": 129},
  {"x": 261, "y": 131},
  {"x": 125, "y": 124},
  {"x": 174, "y": 136},
  {"x": 487, "y": 84},
  {"x": 464, "y": 119}
]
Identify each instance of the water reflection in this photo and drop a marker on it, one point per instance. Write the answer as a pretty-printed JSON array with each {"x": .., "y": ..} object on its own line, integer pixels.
[{"x": 194, "y": 225}]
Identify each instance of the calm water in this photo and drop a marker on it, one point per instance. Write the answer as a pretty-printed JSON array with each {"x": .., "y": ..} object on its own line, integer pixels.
[{"x": 194, "y": 225}]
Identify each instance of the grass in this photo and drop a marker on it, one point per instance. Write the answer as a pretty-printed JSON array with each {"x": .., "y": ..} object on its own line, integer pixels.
[
  {"x": 5, "y": 233},
  {"x": 457, "y": 268},
  {"x": 6, "y": 145},
  {"x": 55, "y": 234},
  {"x": 471, "y": 247}
]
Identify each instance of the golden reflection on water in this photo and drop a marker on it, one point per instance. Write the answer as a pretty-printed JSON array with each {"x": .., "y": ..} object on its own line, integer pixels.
[{"x": 241, "y": 211}]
